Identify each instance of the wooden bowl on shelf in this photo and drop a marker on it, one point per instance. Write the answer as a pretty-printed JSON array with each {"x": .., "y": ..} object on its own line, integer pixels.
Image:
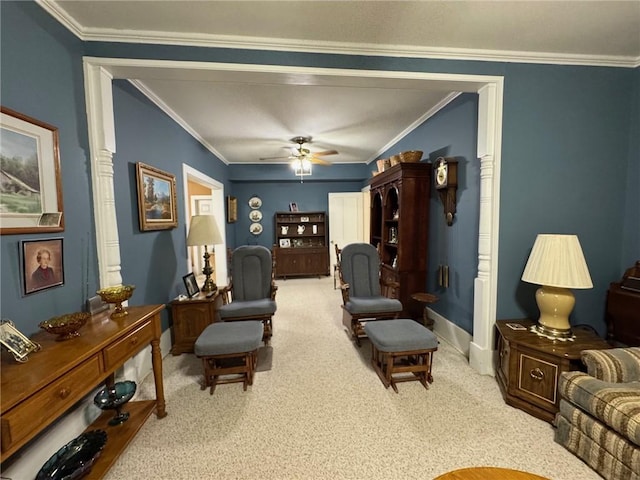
[{"x": 411, "y": 156}]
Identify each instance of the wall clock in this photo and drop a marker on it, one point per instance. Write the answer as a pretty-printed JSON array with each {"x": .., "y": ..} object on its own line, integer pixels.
[{"x": 445, "y": 177}]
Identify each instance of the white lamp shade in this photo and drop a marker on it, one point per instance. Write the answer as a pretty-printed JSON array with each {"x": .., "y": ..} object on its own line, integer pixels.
[
  {"x": 557, "y": 261},
  {"x": 203, "y": 230}
]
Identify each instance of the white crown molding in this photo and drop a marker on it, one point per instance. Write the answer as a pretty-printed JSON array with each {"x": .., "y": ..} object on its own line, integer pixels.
[
  {"x": 428, "y": 114},
  {"x": 342, "y": 48},
  {"x": 147, "y": 92}
]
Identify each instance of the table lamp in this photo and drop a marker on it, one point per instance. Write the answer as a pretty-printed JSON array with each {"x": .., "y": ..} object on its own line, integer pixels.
[
  {"x": 203, "y": 230},
  {"x": 557, "y": 264}
]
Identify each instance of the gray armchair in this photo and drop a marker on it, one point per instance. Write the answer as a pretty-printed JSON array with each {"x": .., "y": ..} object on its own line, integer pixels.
[
  {"x": 251, "y": 292},
  {"x": 361, "y": 285}
]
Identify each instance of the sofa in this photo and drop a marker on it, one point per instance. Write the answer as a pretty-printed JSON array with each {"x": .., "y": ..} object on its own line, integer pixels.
[{"x": 599, "y": 417}]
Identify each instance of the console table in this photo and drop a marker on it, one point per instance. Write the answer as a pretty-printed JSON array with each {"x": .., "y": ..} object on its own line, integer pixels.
[
  {"x": 36, "y": 393},
  {"x": 529, "y": 366}
]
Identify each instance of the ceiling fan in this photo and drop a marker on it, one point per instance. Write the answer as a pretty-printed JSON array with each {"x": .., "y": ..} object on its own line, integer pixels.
[{"x": 300, "y": 153}]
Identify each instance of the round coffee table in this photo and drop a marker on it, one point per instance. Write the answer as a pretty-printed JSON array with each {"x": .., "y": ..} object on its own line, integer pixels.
[{"x": 489, "y": 473}]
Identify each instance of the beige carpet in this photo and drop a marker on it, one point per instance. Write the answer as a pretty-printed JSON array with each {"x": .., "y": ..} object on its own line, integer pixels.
[{"x": 320, "y": 412}]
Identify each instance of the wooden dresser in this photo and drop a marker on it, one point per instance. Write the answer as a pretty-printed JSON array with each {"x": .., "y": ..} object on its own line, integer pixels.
[
  {"x": 36, "y": 393},
  {"x": 529, "y": 366}
]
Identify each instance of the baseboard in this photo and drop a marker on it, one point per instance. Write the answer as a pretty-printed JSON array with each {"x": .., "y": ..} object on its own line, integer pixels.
[{"x": 451, "y": 333}]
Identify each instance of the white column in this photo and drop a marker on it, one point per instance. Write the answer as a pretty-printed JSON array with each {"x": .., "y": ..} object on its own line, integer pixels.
[
  {"x": 99, "y": 100},
  {"x": 485, "y": 284}
]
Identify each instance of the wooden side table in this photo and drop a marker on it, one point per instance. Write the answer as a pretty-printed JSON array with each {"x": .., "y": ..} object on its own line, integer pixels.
[
  {"x": 190, "y": 317},
  {"x": 489, "y": 473},
  {"x": 529, "y": 366},
  {"x": 427, "y": 299}
]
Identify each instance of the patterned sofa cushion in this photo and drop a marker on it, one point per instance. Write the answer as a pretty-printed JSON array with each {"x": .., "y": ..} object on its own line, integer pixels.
[
  {"x": 615, "y": 404},
  {"x": 617, "y": 365}
]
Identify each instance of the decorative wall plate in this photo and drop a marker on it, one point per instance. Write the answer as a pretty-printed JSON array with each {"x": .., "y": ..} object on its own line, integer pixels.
[
  {"x": 255, "y": 215},
  {"x": 255, "y": 202},
  {"x": 255, "y": 228}
]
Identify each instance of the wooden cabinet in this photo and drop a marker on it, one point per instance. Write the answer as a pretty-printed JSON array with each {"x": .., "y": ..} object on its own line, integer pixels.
[
  {"x": 400, "y": 229},
  {"x": 528, "y": 366},
  {"x": 37, "y": 393},
  {"x": 190, "y": 317},
  {"x": 623, "y": 309},
  {"x": 300, "y": 247}
]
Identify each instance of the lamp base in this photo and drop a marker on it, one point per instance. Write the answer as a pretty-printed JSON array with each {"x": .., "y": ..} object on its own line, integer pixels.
[
  {"x": 209, "y": 286},
  {"x": 552, "y": 333},
  {"x": 555, "y": 305}
]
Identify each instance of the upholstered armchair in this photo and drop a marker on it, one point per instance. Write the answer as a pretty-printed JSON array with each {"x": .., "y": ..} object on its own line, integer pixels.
[
  {"x": 599, "y": 418},
  {"x": 251, "y": 293},
  {"x": 361, "y": 287}
]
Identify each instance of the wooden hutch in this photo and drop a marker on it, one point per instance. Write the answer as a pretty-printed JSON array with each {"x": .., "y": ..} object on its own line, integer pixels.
[
  {"x": 400, "y": 228},
  {"x": 300, "y": 247}
]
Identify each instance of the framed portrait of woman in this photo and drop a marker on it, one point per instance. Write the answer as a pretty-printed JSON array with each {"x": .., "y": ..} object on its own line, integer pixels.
[{"x": 42, "y": 264}]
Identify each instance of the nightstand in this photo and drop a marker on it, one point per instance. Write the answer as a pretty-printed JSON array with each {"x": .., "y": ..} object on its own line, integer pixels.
[
  {"x": 528, "y": 366},
  {"x": 190, "y": 317}
]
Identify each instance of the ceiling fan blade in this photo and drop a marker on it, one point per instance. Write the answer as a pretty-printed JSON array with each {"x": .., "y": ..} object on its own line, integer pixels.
[
  {"x": 319, "y": 161},
  {"x": 326, "y": 152}
]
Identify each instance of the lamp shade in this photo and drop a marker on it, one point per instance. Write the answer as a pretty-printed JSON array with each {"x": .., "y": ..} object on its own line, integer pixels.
[
  {"x": 203, "y": 230},
  {"x": 557, "y": 261}
]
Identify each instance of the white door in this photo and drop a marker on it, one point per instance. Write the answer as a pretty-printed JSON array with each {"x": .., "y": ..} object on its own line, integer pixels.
[{"x": 346, "y": 220}]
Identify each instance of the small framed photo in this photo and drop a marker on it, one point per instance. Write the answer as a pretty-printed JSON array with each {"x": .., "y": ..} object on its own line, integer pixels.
[
  {"x": 285, "y": 242},
  {"x": 18, "y": 345},
  {"x": 157, "y": 208},
  {"x": 42, "y": 264},
  {"x": 293, "y": 207},
  {"x": 191, "y": 285}
]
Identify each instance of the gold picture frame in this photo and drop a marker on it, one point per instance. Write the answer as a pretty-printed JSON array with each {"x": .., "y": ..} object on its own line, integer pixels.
[
  {"x": 232, "y": 209},
  {"x": 31, "y": 199},
  {"x": 157, "y": 206},
  {"x": 18, "y": 345}
]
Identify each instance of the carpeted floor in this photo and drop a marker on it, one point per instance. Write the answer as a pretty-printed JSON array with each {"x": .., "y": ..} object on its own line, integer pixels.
[{"x": 319, "y": 411}]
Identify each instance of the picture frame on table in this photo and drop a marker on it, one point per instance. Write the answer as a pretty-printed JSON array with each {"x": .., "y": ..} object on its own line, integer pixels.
[
  {"x": 191, "y": 285},
  {"x": 31, "y": 200},
  {"x": 13, "y": 340},
  {"x": 42, "y": 264},
  {"x": 157, "y": 205}
]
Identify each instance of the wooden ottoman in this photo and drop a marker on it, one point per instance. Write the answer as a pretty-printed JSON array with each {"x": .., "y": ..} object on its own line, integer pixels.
[
  {"x": 401, "y": 346},
  {"x": 230, "y": 349}
]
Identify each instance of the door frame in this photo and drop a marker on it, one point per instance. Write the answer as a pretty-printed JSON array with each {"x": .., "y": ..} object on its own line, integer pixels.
[{"x": 98, "y": 76}]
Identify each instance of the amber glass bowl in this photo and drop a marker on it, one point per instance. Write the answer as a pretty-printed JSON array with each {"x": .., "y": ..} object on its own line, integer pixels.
[
  {"x": 117, "y": 295},
  {"x": 66, "y": 326}
]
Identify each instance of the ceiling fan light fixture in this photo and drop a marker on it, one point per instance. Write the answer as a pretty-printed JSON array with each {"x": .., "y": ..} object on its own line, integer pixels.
[{"x": 301, "y": 167}]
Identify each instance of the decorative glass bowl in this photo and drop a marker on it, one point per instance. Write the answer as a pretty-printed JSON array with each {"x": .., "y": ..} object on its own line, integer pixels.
[
  {"x": 76, "y": 458},
  {"x": 117, "y": 295},
  {"x": 114, "y": 397},
  {"x": 66, "y": 326}
]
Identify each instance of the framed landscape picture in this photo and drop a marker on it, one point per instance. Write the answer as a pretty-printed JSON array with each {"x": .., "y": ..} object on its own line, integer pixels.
[
  {"x": 157, "y": 208},
  {"x": 31, "y": 194}
]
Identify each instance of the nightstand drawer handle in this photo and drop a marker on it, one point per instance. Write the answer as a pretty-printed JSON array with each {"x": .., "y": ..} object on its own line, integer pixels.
[
  {"x": 537, "y": 374},
  {"x": 64, "y": 393}
]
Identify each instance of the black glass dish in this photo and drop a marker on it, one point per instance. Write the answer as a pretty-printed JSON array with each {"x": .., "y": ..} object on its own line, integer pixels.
[
  {"x": 114, "y": 397},
  {"x": 75, "y": 459}
]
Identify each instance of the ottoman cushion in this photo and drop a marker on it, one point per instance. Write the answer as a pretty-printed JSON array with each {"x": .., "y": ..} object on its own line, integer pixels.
[
  {"x": 401, "y": 335},
  {"x": 229, "y": 337}
]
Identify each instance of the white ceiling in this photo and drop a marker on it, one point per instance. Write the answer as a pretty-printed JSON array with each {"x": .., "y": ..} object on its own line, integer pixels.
[{"x": 246, "y": 113}]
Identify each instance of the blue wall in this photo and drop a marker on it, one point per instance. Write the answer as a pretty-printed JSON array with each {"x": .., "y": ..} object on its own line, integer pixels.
[
  {"x": 41, "y": 76},
  {"x": 564, "y": 127},
  {"x": 452, "y": 132},
  {"x": 154, "y": 261}
]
